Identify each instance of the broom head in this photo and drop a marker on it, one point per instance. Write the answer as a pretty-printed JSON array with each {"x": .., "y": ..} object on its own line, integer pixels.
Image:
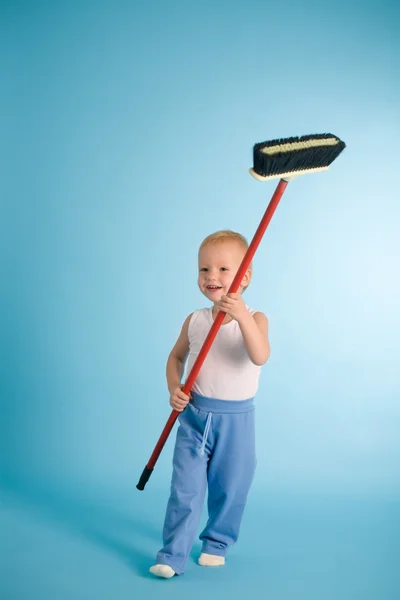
[{"x": 289, "y": 157}]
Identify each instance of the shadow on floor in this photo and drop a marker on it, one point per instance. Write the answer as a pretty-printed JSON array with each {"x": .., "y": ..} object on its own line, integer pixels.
[{"x": 122, "y": 531}]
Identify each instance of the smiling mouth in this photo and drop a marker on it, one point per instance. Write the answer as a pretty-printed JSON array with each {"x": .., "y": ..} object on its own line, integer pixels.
[{"x": 213, "y": 288}]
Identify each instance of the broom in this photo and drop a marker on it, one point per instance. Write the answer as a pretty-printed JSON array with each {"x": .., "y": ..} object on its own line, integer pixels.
[{"x": 285, "y": 159}]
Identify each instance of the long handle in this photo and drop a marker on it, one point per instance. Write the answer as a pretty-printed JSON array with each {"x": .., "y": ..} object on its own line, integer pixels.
[{"x": 214, "y": 329}]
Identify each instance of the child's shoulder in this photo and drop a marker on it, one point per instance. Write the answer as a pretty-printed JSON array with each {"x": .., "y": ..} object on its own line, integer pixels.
[
  {"x": 260, "y": 317},
  {"x": 198, "y": 316},
  {"x": 194, "y": 314},
  {"x": 198, "y": 312},
  {"x": 252, "y": 310}
]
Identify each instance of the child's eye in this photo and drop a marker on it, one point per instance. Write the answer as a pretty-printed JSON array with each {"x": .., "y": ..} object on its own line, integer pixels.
[{"x": 222, "y": 269}]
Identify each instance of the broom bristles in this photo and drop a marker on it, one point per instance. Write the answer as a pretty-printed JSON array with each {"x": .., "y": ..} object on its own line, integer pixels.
[{"x": 295, "y": 155}]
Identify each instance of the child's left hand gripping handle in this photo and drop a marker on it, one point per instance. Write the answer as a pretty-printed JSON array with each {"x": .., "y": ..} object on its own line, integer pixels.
[{"x": 145, "y": 476}]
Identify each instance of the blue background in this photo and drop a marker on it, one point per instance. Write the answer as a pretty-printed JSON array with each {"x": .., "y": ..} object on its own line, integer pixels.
[{"x": 126, "y": 137}]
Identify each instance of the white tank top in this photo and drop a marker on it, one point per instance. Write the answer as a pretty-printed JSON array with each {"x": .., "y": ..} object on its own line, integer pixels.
[{"x": 227, "y": 372}]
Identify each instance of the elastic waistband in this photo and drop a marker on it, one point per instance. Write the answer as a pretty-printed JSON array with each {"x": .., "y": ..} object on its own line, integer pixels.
[{"x": 215, "y": 405}]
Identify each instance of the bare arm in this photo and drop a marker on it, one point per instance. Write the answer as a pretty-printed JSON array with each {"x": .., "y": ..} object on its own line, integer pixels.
[
  {"x": 255, "y": 333},
  {"x": 177, "y": 357}
]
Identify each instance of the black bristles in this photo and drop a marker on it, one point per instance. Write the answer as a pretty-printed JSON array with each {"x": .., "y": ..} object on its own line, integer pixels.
[{"x": 269, "y": 160}]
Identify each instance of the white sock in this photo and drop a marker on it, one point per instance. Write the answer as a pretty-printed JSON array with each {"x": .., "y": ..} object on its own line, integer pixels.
[
  {"x": 211, "y": 560},
  {"x": 162, "y": 571}
]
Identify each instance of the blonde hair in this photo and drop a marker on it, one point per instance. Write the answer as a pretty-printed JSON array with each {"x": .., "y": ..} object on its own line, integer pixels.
[{"x": 226, "y": 235}]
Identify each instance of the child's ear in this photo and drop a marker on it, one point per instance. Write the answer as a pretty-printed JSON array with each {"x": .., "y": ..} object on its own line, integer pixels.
[{"x": 246, "y": 278}]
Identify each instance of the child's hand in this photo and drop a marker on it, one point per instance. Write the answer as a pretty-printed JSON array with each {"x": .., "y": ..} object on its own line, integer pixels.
[
  {"x": 178, "y": 399},
  {"x": 234, "y": 306}
]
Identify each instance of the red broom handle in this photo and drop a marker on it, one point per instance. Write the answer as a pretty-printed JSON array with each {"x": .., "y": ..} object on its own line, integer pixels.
[{"x": 214, "y": 329}]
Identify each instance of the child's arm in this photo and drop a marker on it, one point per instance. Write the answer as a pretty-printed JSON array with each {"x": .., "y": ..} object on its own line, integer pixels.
[
  {"x": 177, "y": 357},
  {"x": 254, "y": 329}
]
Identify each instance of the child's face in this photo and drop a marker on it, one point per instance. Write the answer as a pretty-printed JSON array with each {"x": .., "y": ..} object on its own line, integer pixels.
[{"x": 218, "y": 265}]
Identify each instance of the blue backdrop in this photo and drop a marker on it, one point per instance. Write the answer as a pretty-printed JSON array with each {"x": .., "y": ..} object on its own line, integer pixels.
[{"x": 127, "y": 133}]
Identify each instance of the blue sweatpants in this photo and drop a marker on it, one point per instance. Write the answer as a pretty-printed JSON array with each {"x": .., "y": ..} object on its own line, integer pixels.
[{"x": 215, "y": 447}]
